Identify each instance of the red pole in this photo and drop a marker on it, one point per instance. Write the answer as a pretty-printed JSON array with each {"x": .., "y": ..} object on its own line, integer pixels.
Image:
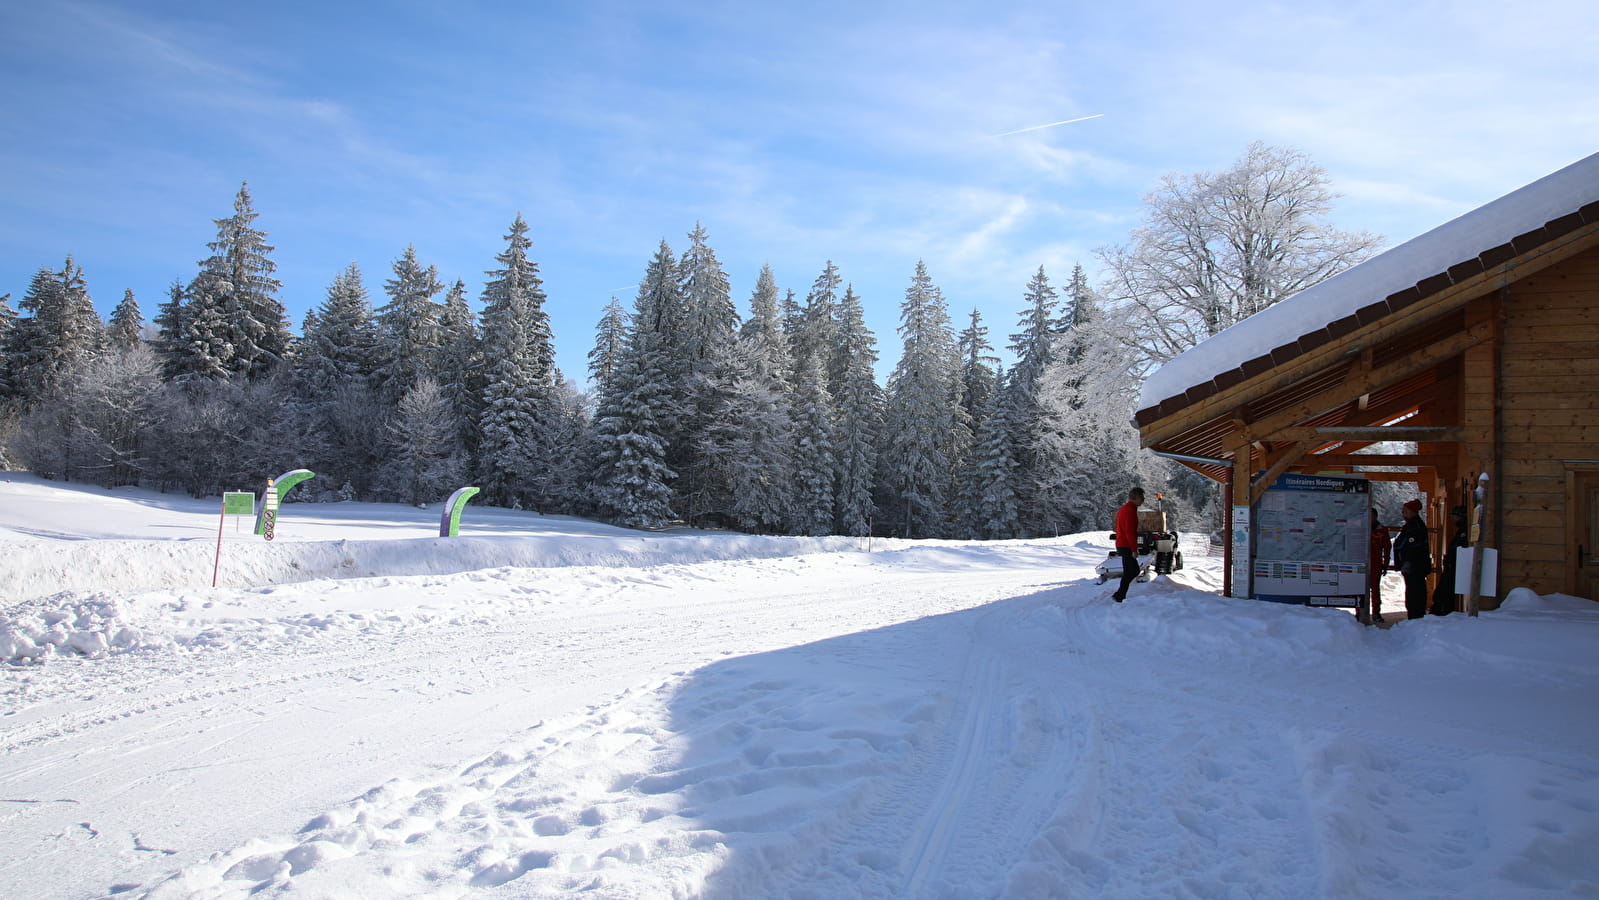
[{"x": 221, "y": 520}]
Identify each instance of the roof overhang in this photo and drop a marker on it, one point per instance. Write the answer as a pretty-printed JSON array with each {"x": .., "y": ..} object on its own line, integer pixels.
[{"x": 1370, "y": 377}]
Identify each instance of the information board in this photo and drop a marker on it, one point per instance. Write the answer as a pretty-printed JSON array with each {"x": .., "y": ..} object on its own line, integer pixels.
[{"x": 1313, "y": 539}]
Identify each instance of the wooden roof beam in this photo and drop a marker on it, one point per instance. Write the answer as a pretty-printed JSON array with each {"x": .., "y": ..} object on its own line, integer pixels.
[
  {"x": 1359, "y": 380},
  {"x": 1374, "y": 433},
  {"x": 1331, "y": 460},
  {"x": 1257, "y": 488}
]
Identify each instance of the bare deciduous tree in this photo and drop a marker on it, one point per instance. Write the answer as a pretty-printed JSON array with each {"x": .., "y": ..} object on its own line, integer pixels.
[{"x": 1217, "y": 248}]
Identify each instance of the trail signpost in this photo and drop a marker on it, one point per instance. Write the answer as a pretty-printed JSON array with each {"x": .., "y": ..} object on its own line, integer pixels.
[
  {"x": 234, "y": 503},
  {"x": 450, "y": 519},
  {"x": 266, "y": 519}
]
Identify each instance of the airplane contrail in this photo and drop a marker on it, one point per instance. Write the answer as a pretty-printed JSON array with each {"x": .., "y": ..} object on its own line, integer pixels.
[{"x": 1050, "y": 125}]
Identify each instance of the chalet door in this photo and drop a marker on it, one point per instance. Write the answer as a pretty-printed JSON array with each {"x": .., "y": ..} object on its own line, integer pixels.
[{"x": 1585, "y": 505}]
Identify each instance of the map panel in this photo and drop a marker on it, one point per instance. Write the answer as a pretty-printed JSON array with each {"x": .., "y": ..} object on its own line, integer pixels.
[{"x": 1312, "y": 537}]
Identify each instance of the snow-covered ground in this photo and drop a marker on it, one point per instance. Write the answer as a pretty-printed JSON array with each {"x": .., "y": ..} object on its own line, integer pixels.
[{"x": 548, "y": 707}]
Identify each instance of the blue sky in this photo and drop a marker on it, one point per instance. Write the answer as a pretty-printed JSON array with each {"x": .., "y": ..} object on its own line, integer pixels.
[{"x": 863, "y": 133}]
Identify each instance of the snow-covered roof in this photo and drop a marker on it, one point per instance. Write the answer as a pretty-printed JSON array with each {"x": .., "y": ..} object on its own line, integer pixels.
[{"x": 1420, "y": 260}]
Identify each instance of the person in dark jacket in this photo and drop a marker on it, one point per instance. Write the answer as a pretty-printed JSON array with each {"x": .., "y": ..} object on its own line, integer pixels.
[
  {"x": 1443, "y": 596},
  {"x": 1127, "y": 540},
  {"x": 1378, "y": 564},
  {"x": 1413, "y": 559}
]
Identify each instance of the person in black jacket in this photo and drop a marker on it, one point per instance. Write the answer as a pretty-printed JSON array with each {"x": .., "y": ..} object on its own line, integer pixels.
[
  {"x": 1443, "y": 597},
  {"x": 1413, "y": 559}
]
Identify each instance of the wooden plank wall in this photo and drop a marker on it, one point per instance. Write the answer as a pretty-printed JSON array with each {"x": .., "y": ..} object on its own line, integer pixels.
[{"x": 1550, "y": 381}]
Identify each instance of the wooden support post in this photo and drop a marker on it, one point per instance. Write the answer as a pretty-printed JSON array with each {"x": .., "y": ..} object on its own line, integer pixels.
[{"x": 1243, "y": 551}]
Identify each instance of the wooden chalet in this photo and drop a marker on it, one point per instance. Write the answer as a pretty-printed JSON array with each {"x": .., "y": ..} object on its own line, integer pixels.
[{"x": 1478, "y": 341}]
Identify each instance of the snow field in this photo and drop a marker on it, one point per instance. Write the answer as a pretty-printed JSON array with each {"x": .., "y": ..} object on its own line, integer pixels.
[{"x": 702, "y": 715}]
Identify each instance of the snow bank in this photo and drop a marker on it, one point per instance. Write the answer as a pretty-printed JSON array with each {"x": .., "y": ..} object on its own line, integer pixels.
[
  {"x": 69, "y": 625},
  {"x": 43, "y": 567}
]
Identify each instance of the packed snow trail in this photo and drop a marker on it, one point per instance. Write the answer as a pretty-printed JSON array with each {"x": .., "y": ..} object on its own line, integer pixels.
[{"x": 271, "y": 718}]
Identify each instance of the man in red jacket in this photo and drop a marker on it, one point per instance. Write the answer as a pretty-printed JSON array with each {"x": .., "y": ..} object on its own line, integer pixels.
[{"x": 1127, "y": 540}]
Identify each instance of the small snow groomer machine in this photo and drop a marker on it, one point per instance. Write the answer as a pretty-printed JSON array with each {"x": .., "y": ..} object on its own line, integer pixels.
[{"x": 1157, "y": 547}]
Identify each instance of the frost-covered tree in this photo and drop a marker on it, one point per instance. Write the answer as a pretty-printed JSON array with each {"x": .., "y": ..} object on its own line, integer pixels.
[
  {"x": 1215, "y": 248},
  {"x": 455, "y": 365},
  {"x": 757, "y": 443},
  {"x": 8, "y": 319},
  {"x": 126, "y": 327},
  {"x": 762, "y": 333},
  {"x": 610, "y": 342},
  {"x": 425, "y": 459},
  {"x": 814, "y": 467},
  {"x": 236, "y": 322},
  {"x": 92, "y": 426},
  {"x": 58, "y": 335},
  {"x": 631, "y": 480},
  {"x": 813, "y": 328},
  {"x": 340, "y": 346},
  {"x": 710, "y": 317},
  {"x": 922, "y": 416},
  {"x": 713, "y": 386},
  {"x": 208, "y": 432},
  {"x": 979, "y": 369},
  {"x": 1022, "y": 457},
  {"x": 990, "y": 505},
  {"x": 1088, "y": 446},
  {"x": 408, "y": 333},
  {"x": 858, "y": 404},
  {"x": 521, "y": 400}
]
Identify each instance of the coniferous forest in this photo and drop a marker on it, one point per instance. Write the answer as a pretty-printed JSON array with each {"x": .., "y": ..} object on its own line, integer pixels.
[{"x": 756, "y": 409}]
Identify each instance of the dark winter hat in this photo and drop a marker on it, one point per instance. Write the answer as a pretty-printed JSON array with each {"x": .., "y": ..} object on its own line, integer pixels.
[{"x": 1413, "y": 505}]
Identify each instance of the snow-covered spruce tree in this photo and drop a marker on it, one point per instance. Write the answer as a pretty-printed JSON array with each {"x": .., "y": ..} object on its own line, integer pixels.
[
  {"x": 922, "y": 416},
  {"x": 631, "y": 483},
  {"x": 858, "y": 405},
  {"x": 717, "y": 412},
  {"x": 456, "y": 366},
  {"x": 814, "y": 455},
  {"x": 1216, "y": 248},
  {"x": 408, "y": 334},
  {"x": 710, "y": 319},
  {"x": 521, "y": 397},
  {"x": 749, "y": 437},
  {"x": 979, "y": 382},
  {"x": 979, "y": 370},
  {"x": 610, "y": 342},
  {"x": 339, "y": 346},
  {"x": 1034, "y": 346},
  {"x": 171, "y": 332},
  {"x": 425, "y": 460},
  {"x": 236, "y": 320},
  {"x": 762, "y": 333},
  {"x": 8, "y": 319},
  {"x": 335, "y": 398},
  {"x": 813, "y": 328},
  {"x": 58, "y": 335},
  {"x": 634, "y": 424},
  {"x": 990, "y": 507},
  {"x": 126, "y": 327},
  {"x": 812, "y": 331},
  {"x": 630, "y": 479},
  {"x": 759, "y": 431}
]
